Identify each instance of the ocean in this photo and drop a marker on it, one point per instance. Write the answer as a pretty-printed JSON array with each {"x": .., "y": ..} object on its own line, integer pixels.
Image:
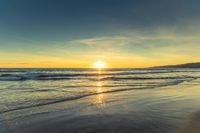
[{"x": 98, "y": 100}]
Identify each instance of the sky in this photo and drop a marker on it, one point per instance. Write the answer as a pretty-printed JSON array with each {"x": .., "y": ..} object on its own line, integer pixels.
[{"x": 77, "y": 33}]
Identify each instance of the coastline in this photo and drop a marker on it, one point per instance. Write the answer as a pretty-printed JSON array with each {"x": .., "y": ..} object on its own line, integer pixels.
[{"x": 152, "y": 110}]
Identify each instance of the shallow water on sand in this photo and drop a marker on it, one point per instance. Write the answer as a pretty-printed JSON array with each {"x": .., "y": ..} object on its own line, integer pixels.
[{"x": 109, "y": 100}]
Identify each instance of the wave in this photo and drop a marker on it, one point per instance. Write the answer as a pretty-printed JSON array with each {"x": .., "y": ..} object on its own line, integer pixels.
[
  {"x": 87, "y": 95},
  {"x": 12, "y": 71},
  {"x": 89, "y": 76},
  {"x": 148, "y": 78},
  {"x": 115, "y": 81}
]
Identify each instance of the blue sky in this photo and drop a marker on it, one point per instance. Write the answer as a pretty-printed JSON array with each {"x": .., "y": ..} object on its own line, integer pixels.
[{"x": 74, "y": 33}]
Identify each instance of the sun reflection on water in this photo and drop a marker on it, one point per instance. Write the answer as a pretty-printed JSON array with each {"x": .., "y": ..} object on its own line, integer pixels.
[{"x": 99, "y": 97}]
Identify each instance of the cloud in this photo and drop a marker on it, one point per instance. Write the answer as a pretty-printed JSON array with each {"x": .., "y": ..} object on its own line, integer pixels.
[
  {"x": 156, "y": 43},
  {"x": 105, "y": 41}
]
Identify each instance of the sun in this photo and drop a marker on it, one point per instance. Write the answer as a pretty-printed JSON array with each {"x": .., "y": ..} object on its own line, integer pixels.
[{"x": 99, "y": 65}]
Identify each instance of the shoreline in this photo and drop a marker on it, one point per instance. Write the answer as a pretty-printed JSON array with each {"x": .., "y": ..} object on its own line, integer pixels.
[{"x": 136, "y": 110}]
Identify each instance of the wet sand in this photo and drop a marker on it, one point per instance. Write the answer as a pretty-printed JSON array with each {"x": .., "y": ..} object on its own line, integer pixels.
[
  {"x": 163, "y": 110},
  {"x": 193, "y": 124}
]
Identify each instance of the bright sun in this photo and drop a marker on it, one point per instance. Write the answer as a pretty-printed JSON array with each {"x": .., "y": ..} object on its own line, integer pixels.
[{"x": 99, "y": 64}]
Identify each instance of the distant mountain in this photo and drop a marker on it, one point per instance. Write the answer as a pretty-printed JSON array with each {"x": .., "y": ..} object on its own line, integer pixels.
[{"x": 187, "y": 65}]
